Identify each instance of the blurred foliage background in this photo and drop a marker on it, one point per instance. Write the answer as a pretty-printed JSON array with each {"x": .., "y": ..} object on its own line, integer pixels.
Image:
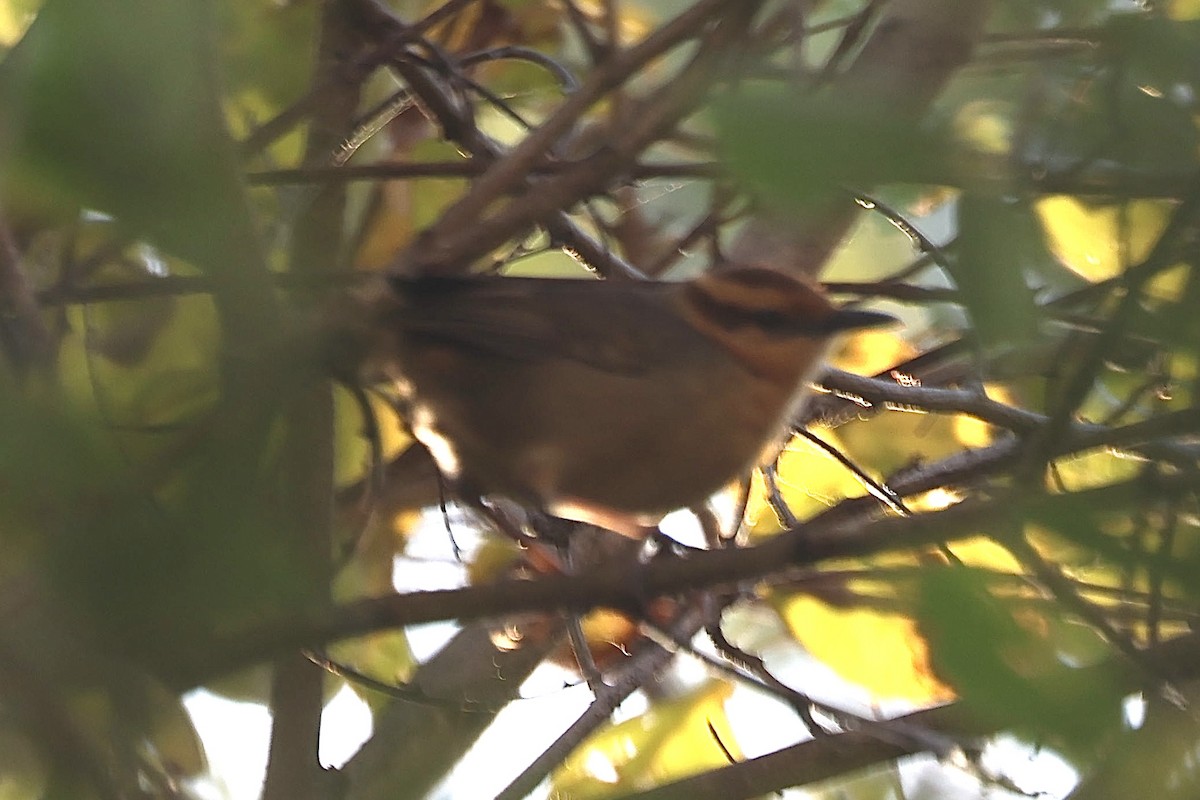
[{"x": 991, "y": 587}]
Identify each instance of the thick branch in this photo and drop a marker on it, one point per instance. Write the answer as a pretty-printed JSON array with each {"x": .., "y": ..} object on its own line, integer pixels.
[{"x": 630, "y": 587}]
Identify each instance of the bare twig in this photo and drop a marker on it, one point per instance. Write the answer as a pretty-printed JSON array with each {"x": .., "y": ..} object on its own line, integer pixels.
[
  {"x": 818, "y": 759},
  {"x": 467, "y": 231},
  {"x": 641, "y": 668},
  {"x": 1183, "y": 220}
]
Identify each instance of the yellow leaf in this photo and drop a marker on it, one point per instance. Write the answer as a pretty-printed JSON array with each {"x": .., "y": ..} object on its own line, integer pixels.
[
  {"x": 972, "y": 432},
  {"x": 1098, "y": 242},
  {"x": 898, "y": 439},
  {"x": 548, "y": 264},
  {"x": 383, "y": 656},
  {"x": 808, "y": 480},
  {"x": 883, "y": 653},
  {"x": 670, "y": 741},
  {"x": 401, "y": 207},
  {"x": 633, "y": 22},
  {"x": 1183, "y": 9},
  {"x": 870, "y": 352},
  {"x": 350, "y": 432},
  {"x": 174, "y": 378},
  {"x": 986, "y": 125},
  {"x": 985, "y": 553},
  {"x": 15, "y": 19},
  {"x": 1094, "y": 468}
]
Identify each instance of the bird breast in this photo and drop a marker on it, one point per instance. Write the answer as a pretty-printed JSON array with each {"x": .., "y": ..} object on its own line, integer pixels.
[{"x": 545, "y": 431}]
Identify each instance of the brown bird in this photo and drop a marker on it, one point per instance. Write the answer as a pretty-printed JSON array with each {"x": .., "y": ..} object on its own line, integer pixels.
[{"x": 608, "y": 402}]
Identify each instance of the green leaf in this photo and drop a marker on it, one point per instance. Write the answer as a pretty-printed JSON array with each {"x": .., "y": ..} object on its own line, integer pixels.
[
  {"x": 1006, "y": 672},
  {"x": 113, "y": 107},
  {"x": 997, "y": 243},
  {"x": 1155, "y": 48},
  {"x": 795, "y": 149}
]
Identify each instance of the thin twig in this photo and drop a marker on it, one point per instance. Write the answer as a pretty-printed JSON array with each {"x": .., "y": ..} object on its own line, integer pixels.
[
  {"x": 879, "y": 491},
  {"x": 463, "y": 168},
  {"x": 1184, "y": 218},
  {"x": 641, "y": 668},
  {"x": 757, "y": 676},
  {"x": 466, "y": 230},
  {"x": 564, "y": 76},
  {"x": 1052, "y": 578},
  {"x": 408, "y": 692}
]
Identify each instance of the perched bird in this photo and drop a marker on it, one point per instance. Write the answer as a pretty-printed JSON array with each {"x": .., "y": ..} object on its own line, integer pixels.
[{"x": 604, "y": 401}]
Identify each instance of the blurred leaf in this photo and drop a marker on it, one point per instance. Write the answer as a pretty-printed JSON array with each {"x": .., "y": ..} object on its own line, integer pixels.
[
  {"x": 985, "y": 125},
  {"x": 153, "y": 400},
  {"x": 862, "y": 627},
  {"x": 384, "y": 656},
  {"x": 898, "y": 439},
  {"x": 635, "y": 20},
  {"x": 259, "y": 47},
  {"x": 1098, "y": 241},
  {"x": 548, "y": 264},
  {"x": 997, "y": 244},
  {"x": 878, "y": 783},
  {"x": 1184, "y": 9},
  {"x": 870, "y": 352},
  {"x": 1157, "y": 759},
  {"x": 874, "y": 249},
  {"x": 670, "y": 741},
  {"x": 999, "y": 666},
  {"x": 53, "y": 466},
  {"x": 1151, "y": 131},
  {"x": 23, "y": 771},
  {"x": 1154, "y": 48},
  {"x": 1080, "y": 524},
  {"x": 1139, "y": 127},
  {"x": 353, "y": 448},
  {"x": 1095, "y": 468},
  {"x": 1033, "y": 13},
  {"x": 170, "y": 733},
  {"x": 972, "y": 432},
  {"x": 113, "y": 106},
  {"x": 152, "y": 577},
  {"x": 794, "y": 149},
  {"x": 72, "y": 506},
  {"x": 986, "y": 555},
  {"x": 15, "y": 18},
  {"x": 1132, "y": 107}
]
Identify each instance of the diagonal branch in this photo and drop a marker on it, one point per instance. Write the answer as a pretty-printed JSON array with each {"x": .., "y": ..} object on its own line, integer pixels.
[
  {"x": 466, "y": 231},
  {"x": 628, "y": 587}
]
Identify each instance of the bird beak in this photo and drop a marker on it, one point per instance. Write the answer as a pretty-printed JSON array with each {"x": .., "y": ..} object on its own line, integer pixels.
[{"x": 848, "y": 319}]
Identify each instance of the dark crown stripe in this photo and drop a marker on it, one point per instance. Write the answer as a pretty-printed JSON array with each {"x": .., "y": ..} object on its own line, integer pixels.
[{"x": 730, "y": 314}]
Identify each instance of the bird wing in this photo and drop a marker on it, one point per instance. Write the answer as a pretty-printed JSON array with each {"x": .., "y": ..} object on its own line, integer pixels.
[{"x": 604, "y": 325}]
